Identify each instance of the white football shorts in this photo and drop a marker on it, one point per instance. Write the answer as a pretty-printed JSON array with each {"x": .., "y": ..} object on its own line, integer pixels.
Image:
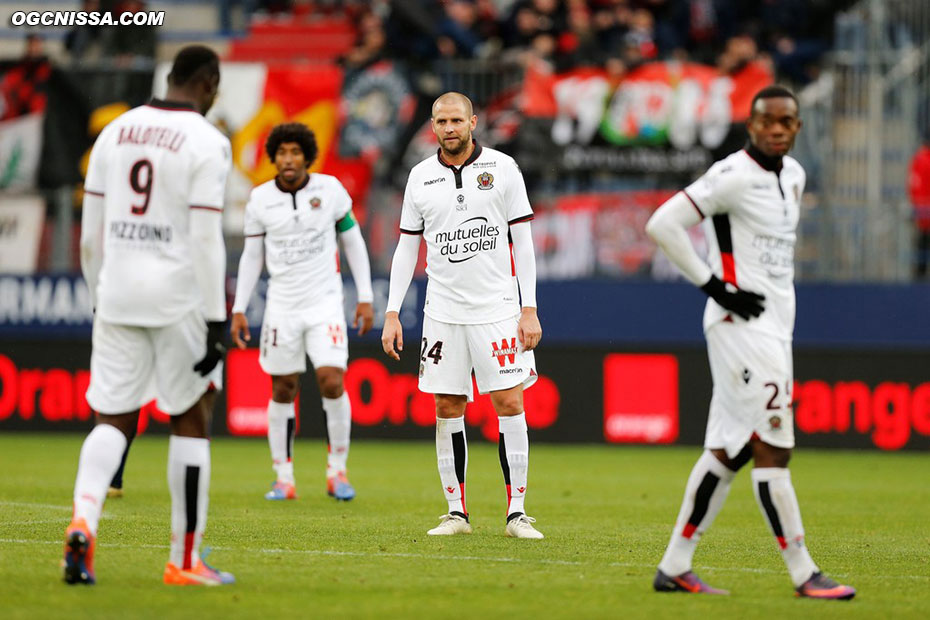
[
  {"x": 288, "y": 338},
  {"x": 127, "y": 362},
  {"x": 449, "y": 352},
  {"x": 753, "y": 377}
]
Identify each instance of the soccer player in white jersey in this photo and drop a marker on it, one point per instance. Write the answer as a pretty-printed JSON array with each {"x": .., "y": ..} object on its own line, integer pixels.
[
  {"x": 292, "y": 223},
  {"x": 750, "y": 202},
  {"x": 468, "y": 202},
  {"x": 153, "y": 256}
]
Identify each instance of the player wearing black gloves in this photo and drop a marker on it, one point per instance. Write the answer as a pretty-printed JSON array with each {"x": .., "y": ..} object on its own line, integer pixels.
[{"x": 750, "y": 203}]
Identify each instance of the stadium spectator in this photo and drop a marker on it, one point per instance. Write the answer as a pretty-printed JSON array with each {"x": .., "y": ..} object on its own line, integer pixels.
[
  {"x": 411, "y": 29},
  {"x": 134, "y": 44},
  {"x": 919, "y": 192},
  {"x": 370, "y": 42},
  {"x": 248, "y": 8},
  {"x": 85, "y": 41},
  {"x": 458, "y": 35}
]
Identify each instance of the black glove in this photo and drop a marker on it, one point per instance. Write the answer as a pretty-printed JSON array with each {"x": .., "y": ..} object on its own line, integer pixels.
[
  {"x": 216, "y": 348},
  {"x": 744, "y": 303}
]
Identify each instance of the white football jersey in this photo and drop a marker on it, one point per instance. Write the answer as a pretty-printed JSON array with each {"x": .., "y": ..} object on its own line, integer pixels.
[
  {"x": 299, "y": 230},
  {"x": 752, "y": 217},
  {"x": 152, "y": 165},
  {"x": 464, "y": 213}
]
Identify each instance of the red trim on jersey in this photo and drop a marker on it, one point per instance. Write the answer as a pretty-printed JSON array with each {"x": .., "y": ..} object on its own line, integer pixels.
[
  {"x": 338, "y": 270},
  {"x": 525, "y": 218},
  {"x": 188, "y": 547},
  {"x": 725, "y": 244},
  {"x": 688, "y": 530},
  {"x": 513, "y": 265},
  {"x": 729, "y": 267},
  {"x": 93, "y": 193},
  {"x": 206, "y": 208},
  {"x": 694, "y": 204}
]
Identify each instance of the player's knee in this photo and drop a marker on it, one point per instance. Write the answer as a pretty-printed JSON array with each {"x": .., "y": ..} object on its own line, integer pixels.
[
  {"x": 125, "y": 423},
  {"x": 508, "y": 403},
  {"x": 449, "y": 407},
  {"x": 331, "y": 384},
  {"x": 765, "y": 455},
  {"x": 192, "y": 423},
  {"x": 284, "y": 389}
]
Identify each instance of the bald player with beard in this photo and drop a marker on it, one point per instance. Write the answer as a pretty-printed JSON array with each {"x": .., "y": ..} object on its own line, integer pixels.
[{"x": 469, "y": 203}]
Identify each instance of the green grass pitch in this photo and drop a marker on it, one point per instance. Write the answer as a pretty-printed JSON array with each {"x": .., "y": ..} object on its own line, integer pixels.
[{"x": 606, "y": 513}]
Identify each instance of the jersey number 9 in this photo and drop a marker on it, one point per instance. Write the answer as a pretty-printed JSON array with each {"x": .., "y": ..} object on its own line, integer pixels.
[{"x": 142, "y": 169}]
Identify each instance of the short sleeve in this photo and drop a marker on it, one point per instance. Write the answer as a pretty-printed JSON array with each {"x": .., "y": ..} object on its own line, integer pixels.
[
  {"x": 209, "y": 183},
  {"x": 342, "y": 199},
  {"x": 253, "y": 226},
  {"x": 517, "y": 202},
  {"x": 711, "y": 192},
  {"x": 411, "y": 220},
  {"x": 96, "y": 178}
]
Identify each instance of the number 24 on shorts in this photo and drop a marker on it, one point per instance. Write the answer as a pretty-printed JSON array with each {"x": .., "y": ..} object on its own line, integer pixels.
[{"x": 435, "y": 353}]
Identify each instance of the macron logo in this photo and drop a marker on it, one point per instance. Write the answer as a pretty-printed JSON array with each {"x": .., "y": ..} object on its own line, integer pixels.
[{"x": 432, "y": 181}]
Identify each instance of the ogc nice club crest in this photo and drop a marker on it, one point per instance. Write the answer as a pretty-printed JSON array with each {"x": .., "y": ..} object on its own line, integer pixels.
[{"x": 485, "y": 180}]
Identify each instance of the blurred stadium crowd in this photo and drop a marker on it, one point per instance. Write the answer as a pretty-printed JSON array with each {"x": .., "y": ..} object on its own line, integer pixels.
[{"x": 595, "y": 98}]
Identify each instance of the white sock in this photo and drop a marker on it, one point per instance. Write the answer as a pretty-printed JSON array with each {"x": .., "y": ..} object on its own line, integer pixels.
[
  {"x": 189, "y": 483},
  {"x": 338, "y": 428},
  {"x": 514, "y": 451},
  {"x": 707, "y": 489},
  {"x": 281, "y": 424},
  {"x": 99, "y": 460},
  {"x": 452, "y": 457},
  {"x": 779, "y": 505}
]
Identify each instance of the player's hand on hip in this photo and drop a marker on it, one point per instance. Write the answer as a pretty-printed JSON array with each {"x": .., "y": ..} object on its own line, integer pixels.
[
  {"x": 366, "y": 313},
  {"x": 529, "y": 331},
  {"x": 392, "y": 333},
  {"x": 216, "y": 348},
  {"x": 745, "y": 304},
  {"x": 239, "y": 330}
]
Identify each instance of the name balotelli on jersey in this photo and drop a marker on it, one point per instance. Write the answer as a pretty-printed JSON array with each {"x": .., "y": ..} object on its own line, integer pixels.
[{"x": 151, "y": 167}]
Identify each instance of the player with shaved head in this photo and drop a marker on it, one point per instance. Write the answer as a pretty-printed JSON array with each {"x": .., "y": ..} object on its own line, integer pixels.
[
  {"x": 470, "y": 205},
  {"x": 750, "y": 202}
]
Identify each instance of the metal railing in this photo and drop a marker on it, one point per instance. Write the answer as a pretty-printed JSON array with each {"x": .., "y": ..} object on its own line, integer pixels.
[{"x": 864, "y": 119}]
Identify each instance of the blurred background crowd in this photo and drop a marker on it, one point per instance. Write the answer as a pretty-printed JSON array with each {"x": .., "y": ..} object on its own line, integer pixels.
[{"x": 609, "y": 106}]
